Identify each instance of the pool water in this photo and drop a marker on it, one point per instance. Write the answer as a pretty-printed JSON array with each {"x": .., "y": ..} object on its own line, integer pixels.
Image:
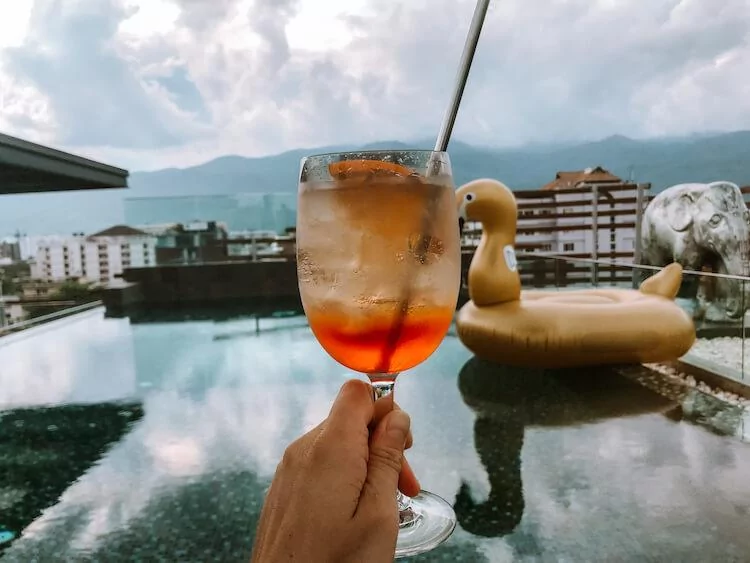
[{"x": 156, "y": 441}]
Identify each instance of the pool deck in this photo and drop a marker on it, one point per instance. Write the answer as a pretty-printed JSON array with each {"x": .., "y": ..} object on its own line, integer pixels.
[{"x": 184, "y": 422}]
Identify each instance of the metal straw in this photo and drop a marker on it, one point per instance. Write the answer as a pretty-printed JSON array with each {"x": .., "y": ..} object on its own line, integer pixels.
[
  {"x": 464, "y": 66},
  {"x": 441, "y": 145}
]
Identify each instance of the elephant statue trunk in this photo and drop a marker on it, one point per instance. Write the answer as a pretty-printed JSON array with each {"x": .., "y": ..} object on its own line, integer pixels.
[
  {"x": 698, "y": 225},
  {"x": 735, "y": 293}
]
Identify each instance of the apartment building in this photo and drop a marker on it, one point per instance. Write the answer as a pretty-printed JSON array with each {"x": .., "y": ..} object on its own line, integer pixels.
[
  {"x": 582, "y": 214},
  {"x": 97, "y": 258},
  {"x": 10, "y": 250},
  {"x": 192, "y": 242}
]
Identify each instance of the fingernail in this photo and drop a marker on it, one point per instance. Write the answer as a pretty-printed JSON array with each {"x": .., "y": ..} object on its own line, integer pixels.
[{"x": 398, "y": 426}]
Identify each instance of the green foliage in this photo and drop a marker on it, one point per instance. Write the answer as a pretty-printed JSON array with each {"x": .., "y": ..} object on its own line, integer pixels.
[
  {"x": 75, "y": 291},
  {"x": 11, "y": 276},
  {"x": 69, "y": 294}
]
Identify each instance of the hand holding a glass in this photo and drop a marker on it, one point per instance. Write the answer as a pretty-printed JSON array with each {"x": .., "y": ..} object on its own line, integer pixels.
[{"x": 332, "y": 498}]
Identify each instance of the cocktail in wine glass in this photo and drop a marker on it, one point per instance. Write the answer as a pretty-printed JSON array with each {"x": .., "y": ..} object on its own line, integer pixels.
[{"x": 378, "y": 262}]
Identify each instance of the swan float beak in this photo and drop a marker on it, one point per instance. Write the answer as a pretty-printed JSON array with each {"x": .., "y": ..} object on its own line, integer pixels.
[
  {"x": 462, "y": 211},
  {"x": 461, "y": 216}
]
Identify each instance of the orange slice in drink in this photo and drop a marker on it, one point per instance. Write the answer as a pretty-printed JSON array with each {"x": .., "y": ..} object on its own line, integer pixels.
[{"x": 352, "y": 168}]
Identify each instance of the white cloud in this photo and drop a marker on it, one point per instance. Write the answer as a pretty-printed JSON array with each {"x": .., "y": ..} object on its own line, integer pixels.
[
  {"x": 176, "y": 82},
  {"x": 15, "y": 22},
  {"x": 149, "y": 17}
]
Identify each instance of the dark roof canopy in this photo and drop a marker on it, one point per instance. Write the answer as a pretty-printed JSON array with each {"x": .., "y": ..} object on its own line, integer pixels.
[
  {"x": 119, "y": 231},
  {"x": 27, "y": 167}
]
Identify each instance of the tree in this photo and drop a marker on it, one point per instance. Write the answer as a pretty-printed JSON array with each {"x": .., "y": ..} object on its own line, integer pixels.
[
  {"x": 72, "y": 290},
  {"x": 11, "y": 277},
  {"x": 69, "y": 294}
]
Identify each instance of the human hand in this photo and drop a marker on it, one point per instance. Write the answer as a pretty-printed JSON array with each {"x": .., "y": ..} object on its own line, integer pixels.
[{"x": 333, "y": 498}]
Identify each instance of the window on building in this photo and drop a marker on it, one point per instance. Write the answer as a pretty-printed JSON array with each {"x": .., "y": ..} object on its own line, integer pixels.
[
  {"x": 569, "y": 247},
  {"x": 545, "y": 248}
]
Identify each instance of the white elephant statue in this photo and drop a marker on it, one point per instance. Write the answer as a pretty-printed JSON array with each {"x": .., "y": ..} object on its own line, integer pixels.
[{"x": 701, "y": 225}]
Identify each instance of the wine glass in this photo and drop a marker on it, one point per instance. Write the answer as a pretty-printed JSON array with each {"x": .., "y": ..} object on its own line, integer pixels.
[{"x": 379, "y": 267}]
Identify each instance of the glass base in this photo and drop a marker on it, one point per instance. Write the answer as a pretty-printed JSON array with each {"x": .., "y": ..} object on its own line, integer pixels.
[{"x": 426, "y": 521}]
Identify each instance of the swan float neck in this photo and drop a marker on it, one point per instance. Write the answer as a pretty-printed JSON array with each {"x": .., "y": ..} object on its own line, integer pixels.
[{"x": 493, "y": 273}]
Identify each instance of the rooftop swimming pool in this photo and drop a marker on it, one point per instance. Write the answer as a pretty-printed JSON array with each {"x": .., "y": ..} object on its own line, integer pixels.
[{"x": 155, "y": 441}]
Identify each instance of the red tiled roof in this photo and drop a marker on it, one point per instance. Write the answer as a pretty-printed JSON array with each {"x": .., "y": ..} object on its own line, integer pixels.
[
  {"x": 573, "y": 179},
  {"x": 119, "y": 231}
]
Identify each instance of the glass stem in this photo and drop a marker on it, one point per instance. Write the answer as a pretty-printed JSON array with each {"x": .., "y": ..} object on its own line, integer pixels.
[
  {"x": 382, "y": 390},
  {"x": 382, "y": 386}
]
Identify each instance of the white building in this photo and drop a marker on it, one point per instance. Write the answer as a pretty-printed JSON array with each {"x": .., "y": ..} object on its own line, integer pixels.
[
  {"x": 96, "y": 258},
  {"x": 559, "y": 218},
  {"x": 254, "y": 244}
]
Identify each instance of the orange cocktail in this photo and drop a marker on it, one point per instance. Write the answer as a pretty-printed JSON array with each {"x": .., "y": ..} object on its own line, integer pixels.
[
  {"x": 378, "y": 263},
  {"x": 371, "y": 344}
]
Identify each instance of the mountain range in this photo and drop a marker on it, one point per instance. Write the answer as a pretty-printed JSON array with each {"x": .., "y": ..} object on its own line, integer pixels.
[{"x": 662, "y": 162}]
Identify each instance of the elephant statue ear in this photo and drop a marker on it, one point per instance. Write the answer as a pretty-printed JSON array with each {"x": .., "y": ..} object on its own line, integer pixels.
[
  {"x": 724, "y": 186},
  {"x": 680, "y": 212},
  {"x": 727, "y": 195}
]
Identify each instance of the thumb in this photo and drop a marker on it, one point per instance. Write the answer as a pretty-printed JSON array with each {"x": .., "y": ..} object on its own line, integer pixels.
[{"x": 384, "y": 464}]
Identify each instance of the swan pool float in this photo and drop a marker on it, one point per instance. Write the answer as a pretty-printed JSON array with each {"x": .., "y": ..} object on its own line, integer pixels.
[{"x": 557, "y": 329}]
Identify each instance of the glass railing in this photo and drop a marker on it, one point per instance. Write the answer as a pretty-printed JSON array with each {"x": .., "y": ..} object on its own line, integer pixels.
[
  {"x": 214, "y": 228},
  {"x": 718, "y": 304},
  {"x": 218, "y": 230},
  {"x": 238, "y": 212}
]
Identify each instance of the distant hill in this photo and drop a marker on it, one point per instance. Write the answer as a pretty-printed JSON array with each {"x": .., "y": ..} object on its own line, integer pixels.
[{"x": 663, "y": 162}]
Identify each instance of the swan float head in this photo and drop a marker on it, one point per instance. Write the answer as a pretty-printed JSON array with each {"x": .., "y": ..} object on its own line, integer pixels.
[{"x": 489, "y": 202}]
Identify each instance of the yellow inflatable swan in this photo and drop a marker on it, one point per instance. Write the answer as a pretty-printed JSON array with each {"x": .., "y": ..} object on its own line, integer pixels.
[{"x": 556, "y": 329}]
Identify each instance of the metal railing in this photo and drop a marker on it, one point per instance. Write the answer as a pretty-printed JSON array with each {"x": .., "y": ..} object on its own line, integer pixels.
[
  {"x": 621, "y": 264},
  {"x": 42, "y": 319}
]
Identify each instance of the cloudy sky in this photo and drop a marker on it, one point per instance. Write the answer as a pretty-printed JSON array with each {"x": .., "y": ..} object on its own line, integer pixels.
[{"x": 147, "y": 84}]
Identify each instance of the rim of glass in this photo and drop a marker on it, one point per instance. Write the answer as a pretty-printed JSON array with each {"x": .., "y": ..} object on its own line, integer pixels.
[{"x": 375, "y": 151}]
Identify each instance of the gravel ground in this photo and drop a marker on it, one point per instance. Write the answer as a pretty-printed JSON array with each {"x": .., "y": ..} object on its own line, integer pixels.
[
  {"x": 675, "y": 376},
  {"x": 725, "y": 351}
]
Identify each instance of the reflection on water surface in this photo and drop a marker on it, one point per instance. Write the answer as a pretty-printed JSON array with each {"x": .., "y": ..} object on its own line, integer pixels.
[{"x": 190, "y": 418}]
